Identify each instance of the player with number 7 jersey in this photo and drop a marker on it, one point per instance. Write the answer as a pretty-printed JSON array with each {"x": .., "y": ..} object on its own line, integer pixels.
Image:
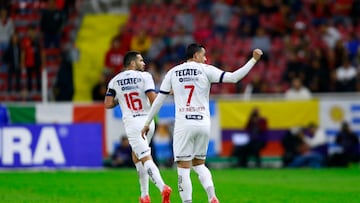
[{"x": 190, "y": 83}]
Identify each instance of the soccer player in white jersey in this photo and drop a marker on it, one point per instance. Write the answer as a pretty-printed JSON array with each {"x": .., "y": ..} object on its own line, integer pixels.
[
  {"x": 134, "y": 90},
  {"x": 190, "y": 83}
]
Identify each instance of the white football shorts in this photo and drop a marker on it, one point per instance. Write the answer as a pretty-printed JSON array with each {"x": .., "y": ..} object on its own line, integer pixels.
[
  {"x": 190, "y": 142},
  {"x": 138, "y": 145}
]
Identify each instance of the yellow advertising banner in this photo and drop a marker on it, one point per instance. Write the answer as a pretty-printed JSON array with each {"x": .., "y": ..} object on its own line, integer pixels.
[{"x": 280, "y": 114}]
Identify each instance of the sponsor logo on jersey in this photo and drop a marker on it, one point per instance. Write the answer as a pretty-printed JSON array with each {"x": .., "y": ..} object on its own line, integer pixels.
[
  {"x": 128, "y": 81},
  {"x": 188, "y": 75}
]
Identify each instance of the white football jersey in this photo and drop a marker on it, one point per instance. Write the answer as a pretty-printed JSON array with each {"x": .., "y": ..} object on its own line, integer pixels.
[
  {"x": 131, "y": 87},
  {"x": 191, "y": 82}
]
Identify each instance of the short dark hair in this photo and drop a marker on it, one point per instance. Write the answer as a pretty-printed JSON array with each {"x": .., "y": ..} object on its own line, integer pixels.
[
  {"x": 130, "y": 56},
  {"x": 192, "y": 49}
]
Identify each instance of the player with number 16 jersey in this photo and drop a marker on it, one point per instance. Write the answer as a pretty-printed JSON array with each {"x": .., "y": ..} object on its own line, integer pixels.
[
  {"x": 131, "y": 87},
  {"x": 134, "y": 90}
]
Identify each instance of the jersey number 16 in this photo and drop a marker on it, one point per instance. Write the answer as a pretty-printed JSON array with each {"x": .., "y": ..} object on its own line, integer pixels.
[{"x": 133, "y": 101}]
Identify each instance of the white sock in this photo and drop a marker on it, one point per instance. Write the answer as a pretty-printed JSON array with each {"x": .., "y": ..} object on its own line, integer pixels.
[
  {"x": 143, "y": 179},
  {"x": 184, "y": 184},
  {"x": 205, "y": 179},
  {"x": 154, "y": 174}
]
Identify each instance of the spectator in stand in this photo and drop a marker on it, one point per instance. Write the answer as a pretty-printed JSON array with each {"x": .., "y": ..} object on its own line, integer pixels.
[
  {"x": 320, "y": 10},
  {"x": 257, "y": 130},
  {"x": 299, "y": 39},
  {"x": 203, "y": 32},
  {"x": 317, "y": 74},
  {"x": 12, "y": 58},
  {"x": 330, "y": 34},
  {"x": 158, "y": 49},
  {"x": 353, "y": 45},
  {"x": 114, "y": 58},
  {"x": 249, "y": 21},
  {"x": 349, "y": 143},
  {"x": 6, "y": 29},
  {"x": 185, "y": 19},
  {"x": 262, "y": 41},
  {"x": 281, "y": 21},
  {"x": 338, "y": 53},
  {"x": 99, "y": 89},
  {"x": 64, "y": 84},
  {"x": 155, "y": 70},
  {"x": 297, "y": 91},
  {"x": 295, "y": 68},
  {"x": 346, "y": 77},
  {"x": 124, "y": 35},
  {"x": 141, "y": 42},
  {"x": 122, "y": 155},
  {"x": 316, "y": 139},
  {"x": 179, "y": 43},
  {"x": 297, "y": 152},
  {"x": 51, "y": 25},
  {"x": 32, "y": 58},
  {"x": 256, "y": 85},
  {"x": 221, "y": 13}
]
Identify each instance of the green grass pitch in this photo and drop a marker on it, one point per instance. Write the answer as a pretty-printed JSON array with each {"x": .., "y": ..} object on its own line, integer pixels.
[{"x": 232, "y": 186}]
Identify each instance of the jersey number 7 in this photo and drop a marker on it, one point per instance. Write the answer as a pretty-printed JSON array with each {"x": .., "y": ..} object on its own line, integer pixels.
[
  {"x": 191, "y": 87},
  {"x": 132, "y": 101}
]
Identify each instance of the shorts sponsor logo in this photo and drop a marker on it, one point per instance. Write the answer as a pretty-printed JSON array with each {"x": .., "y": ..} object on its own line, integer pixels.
[{"x": 145, "y": 151}]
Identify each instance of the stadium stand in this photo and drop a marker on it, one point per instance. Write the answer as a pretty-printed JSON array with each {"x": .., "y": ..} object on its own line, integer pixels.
[
  {"x": 283, "y": 23},
  {"x": 28, "y": 13}
]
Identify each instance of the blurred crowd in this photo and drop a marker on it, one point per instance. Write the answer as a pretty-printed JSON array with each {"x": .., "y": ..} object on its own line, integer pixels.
[
  {"x": 35, "y": 35},
  {"x": 310, "y": 46}
]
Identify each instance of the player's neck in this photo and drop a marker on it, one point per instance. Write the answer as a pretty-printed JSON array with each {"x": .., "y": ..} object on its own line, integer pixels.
[{"x": 129, "y": 68}]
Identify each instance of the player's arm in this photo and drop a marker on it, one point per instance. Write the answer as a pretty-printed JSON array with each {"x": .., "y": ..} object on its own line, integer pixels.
[
  {"x": 159, "y": 100},
  {"x": 110, "y": 101},
  {"x": 155, "y": 107},
  {"x": 149, "y": 87},
  {"x": 233, "y": 77},
  {"x": 151, "y": 95}
]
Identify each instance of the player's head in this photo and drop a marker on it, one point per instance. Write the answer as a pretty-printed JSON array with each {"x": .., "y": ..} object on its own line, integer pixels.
[
  {"x": 134, "y": 60},
  {"x": 196, "y": 52}
]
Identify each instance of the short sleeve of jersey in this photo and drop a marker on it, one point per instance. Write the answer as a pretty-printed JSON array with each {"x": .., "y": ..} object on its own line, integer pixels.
[
  {"x": 111, "y": 86},
  {"x": 214, "y": 74},
  {"x": 148, "y": 82},
  {"x": 166, "y": 83}
]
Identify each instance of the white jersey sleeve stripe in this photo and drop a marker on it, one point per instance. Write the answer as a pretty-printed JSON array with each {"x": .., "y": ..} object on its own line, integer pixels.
[
  {"x": 150, "y": 90},
  {"x": 164, "y": 92}
]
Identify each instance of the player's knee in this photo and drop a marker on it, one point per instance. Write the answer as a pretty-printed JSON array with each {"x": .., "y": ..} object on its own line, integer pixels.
[{"x": 196, "y": 162}]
